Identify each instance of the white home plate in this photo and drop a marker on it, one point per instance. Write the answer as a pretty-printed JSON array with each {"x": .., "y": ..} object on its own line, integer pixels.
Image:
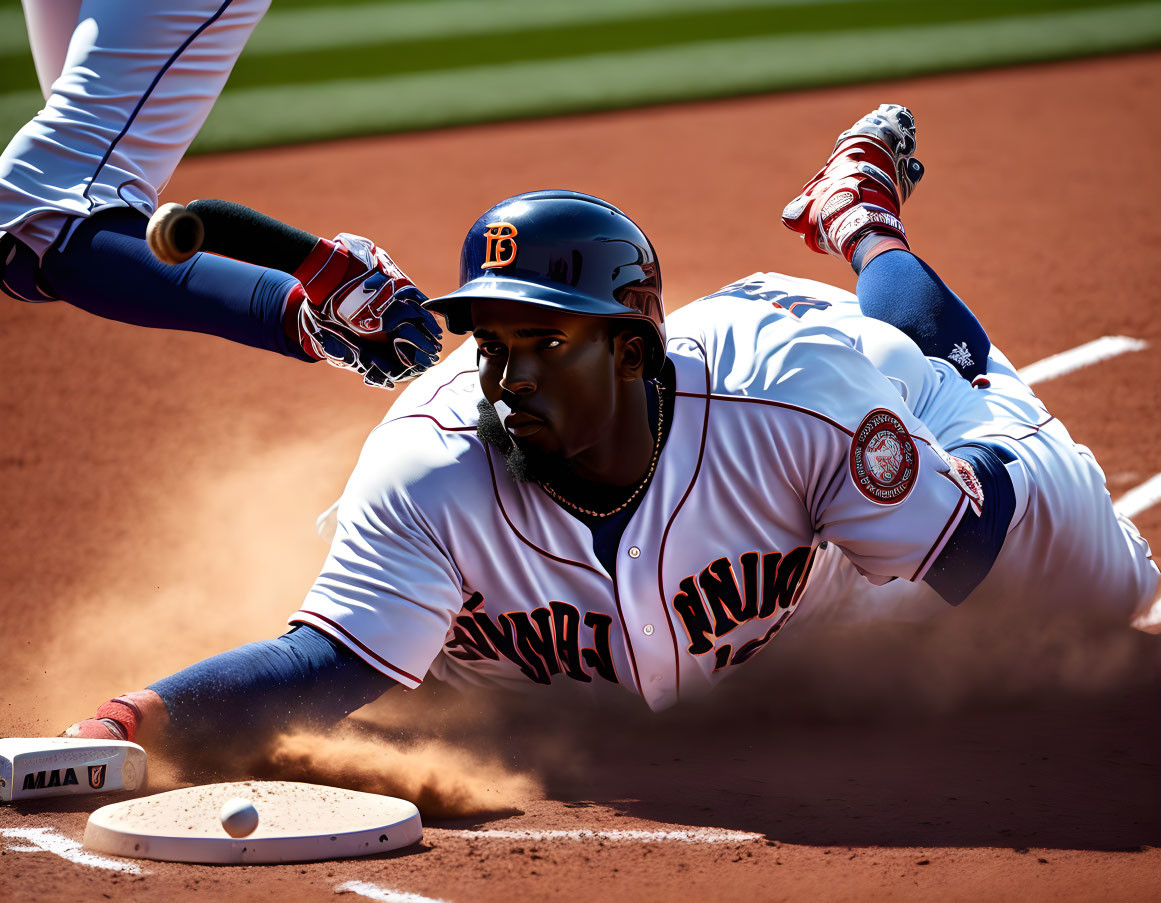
[{"x": 296, "y": 823}]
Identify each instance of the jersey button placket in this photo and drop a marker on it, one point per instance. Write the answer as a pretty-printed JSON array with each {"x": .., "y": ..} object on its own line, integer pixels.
[{"x": 654, "y": 655}]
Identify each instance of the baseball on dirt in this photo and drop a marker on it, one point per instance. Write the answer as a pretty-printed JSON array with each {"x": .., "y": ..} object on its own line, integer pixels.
[{"x": 239, "y": 817}]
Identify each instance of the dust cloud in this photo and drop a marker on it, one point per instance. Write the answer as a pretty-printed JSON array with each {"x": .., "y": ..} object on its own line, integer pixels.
[
  {"x": 230, "y": 554},
  {"x": 985, "y": 654},
  {"x": 219, "y": 560},
  {"x": 444, "y": 781}
]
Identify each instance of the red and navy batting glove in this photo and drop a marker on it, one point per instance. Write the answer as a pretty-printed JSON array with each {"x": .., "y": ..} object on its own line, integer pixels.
[{"x": 361, "y": 312}]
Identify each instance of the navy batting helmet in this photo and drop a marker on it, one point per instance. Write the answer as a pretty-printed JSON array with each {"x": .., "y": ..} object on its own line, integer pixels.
[{"x": 565, "y": 251}]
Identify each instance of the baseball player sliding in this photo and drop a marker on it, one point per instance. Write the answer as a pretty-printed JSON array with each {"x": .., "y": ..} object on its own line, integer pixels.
[
  {"x": 611, "y": 496},
  {"x": 127, "y": 86}
]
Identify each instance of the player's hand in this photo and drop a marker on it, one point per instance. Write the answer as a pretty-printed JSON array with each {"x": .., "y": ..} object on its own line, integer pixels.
[
  {"x": 124, "y": 718},
  {"x": 366, "y": 316},
  {"x": 96, "y": 729}
]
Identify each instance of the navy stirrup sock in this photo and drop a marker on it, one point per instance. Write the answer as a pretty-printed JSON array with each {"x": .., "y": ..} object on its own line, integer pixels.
[
  {"x": 899, "y": 288},
  {"x": 106, "y": 268}
]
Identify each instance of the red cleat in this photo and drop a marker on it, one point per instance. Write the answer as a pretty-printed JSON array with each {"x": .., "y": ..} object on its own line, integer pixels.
[{"x": 862, "y": 187}]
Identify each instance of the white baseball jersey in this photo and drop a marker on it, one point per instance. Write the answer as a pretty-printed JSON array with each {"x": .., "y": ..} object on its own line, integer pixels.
[
  {"x": 1066, "y": 547},
  {"x": 127, "y": 97},
  {"x": 784, "y": 436}
]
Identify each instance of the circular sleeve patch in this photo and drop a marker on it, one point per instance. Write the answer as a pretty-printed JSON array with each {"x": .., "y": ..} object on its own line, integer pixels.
[{"x": 884, "y": 459}]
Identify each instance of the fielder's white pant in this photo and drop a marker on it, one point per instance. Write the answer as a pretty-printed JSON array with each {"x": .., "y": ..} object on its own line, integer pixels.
[
  {"x": 1066, "y": 546},
  {"x": 128, "y": 84}
]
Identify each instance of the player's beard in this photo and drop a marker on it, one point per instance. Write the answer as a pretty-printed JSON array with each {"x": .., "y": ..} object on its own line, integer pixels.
[{"x": 525, "y": 465}]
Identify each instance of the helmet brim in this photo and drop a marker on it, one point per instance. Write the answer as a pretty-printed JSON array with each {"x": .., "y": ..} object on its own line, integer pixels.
[{"x": 455, "y": 306}]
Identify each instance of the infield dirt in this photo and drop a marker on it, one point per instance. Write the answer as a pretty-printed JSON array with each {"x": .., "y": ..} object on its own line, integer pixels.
[{"x": 159, "y": 492}]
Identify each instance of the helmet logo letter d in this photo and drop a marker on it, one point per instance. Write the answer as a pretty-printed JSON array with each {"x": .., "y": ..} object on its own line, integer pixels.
[{"x": 501, "y": 245}]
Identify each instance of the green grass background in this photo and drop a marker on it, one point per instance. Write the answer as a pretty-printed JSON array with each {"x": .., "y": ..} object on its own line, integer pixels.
[{"x": 316, "y": 69}]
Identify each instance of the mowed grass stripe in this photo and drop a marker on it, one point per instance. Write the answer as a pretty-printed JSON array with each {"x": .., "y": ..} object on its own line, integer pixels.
[
  {"x": 320, "y": 26},
  {"x": 519, "y": 41},
  {"x": 256, "y": 116},
  {"x": 13, "y": 38},
  {"x": 314, "y": 45},
  {"x": 366, "y": 24},
  {"x": 312, "y": 24},
  {"x": 16, "y": 108},
  {"x": 317, "y": 44},
  {"x": 522, "y": 73}
]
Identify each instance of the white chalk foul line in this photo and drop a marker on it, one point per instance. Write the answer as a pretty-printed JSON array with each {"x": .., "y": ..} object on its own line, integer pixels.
[
  {"x": 1148, "y": 493},
  {"x": 694, "y": 835},
  {"x": 1082, "y": 356},
  {"x": 46, "y": 840},
  {"x": 383, "y": 894},
  {"x": 1140, "y": 498}
]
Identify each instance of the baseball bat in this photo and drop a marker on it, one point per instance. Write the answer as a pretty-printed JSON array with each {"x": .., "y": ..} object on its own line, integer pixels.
[{"x": 176, "y": 232}]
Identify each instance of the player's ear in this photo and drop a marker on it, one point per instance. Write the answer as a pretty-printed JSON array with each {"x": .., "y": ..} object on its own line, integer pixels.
[{"x": 629, "y": 349}]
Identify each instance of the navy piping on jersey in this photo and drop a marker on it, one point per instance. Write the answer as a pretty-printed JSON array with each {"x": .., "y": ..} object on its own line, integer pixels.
[
  {"x": 628, "y": 642},
  {"x": 673, "y": 517},
  {"x": 945, "y": 534},
  {"x": 517, "y": 533},
  {"x": 353, "y": 639},
  {"x": 1034, "y": 427},
  {"x": 939, "y": 542},
  {"x": 149, "y": 91},
  {"x": 524, "y": 539},
  {"x": 790, "y": 407},
  {"x": 778, "y": 404},
  {"x": 580, "y": 564},
  {"x": 445, "y": 385},
  {"x": 446, "y": 429}
]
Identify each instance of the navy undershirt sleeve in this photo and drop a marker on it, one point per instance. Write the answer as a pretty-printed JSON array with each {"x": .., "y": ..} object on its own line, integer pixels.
[
  {"x": 300, "y": 678},
  {"x": 972, "y": 550},
  {"x": 899, "y": 288},
  {"x": 106, "y": 268}
]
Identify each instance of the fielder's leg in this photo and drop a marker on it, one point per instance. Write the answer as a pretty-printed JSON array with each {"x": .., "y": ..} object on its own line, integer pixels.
[
  {"x": 131, "y": 84},
  {"x": 107, "y": 269},
  {"x": 50, "y": 26}
]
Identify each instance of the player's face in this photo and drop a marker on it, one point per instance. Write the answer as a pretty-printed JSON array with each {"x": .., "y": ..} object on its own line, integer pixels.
[{"x": 554, "y": 377}]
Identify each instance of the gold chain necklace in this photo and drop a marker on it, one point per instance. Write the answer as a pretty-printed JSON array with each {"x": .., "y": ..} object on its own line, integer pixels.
[{"x": 640, "y": 486}]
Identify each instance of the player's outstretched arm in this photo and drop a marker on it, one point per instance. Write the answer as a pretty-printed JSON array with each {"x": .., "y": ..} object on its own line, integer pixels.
[{"x": 252, "y": 692}]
